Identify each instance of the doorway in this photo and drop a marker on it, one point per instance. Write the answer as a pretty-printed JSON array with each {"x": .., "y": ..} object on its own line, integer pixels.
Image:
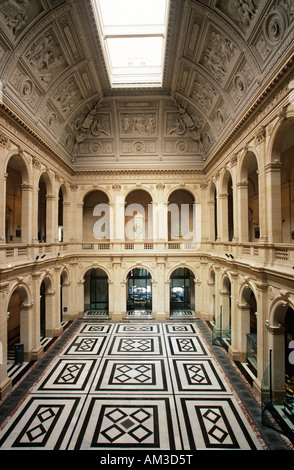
[
  {"x": 181, "y": 291},
  {"x": 139, "y": 292}
]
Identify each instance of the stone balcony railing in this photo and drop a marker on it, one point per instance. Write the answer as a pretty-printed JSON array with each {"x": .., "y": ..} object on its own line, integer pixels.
[{"x": 257, "y": 254}]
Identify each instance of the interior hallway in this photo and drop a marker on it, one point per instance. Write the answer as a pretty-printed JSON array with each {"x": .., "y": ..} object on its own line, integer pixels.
[{"x": 134, "y": 385}]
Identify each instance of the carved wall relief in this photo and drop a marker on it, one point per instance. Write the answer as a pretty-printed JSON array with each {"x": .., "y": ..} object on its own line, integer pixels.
[
  {"x": 18, "y": 14},
  {"x": 217, "y": 55},
  {"x": 45, "y": 56},
  {"x": 143, "y": 124}
]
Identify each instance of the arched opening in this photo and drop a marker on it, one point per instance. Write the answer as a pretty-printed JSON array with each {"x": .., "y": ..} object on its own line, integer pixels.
[
  {"x": 96, "y": 291},
  {"x": 230, "y": 210},
  {"x": 138, "y": 216},
  {"x": 139, "y": 292},
  {"x": 250, "y": 327},
  {"x": 43, "y": 309},
  {"x": 181, "y": 216},
  {"x": 211, "y": 296},
  {"x": 60, "y": 215},
  {"x": 215, "y": 214},
  {"x": 42, "y": 210},
  {"x": 96, "y": 217},
  {"x": 287, "y": 188},
  {"x": 17, "y": 322},
  {"x": 281, "y": 184},
  {"x": 182, "y": 291},
  {"x": 13, "y": 213},
  {"x": 225, "y": 320},
  {"x": 64, "y": 296},
  {"x": 253, "y": 199},
  {"x": 13, "y": 323}
]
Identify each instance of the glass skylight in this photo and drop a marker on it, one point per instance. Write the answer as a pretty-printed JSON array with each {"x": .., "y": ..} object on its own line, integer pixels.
[{"x": 133, "y": 34}]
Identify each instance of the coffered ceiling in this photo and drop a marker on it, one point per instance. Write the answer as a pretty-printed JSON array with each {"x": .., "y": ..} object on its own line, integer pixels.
[{"x": 219, "y": 57}]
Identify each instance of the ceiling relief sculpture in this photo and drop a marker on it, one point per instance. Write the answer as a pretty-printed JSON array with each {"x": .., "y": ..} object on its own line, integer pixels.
[{"x": 218, "y": 56}]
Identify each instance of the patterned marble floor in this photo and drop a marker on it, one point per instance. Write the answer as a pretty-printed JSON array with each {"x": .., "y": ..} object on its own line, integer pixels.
[{"x": 137, "y": 385}]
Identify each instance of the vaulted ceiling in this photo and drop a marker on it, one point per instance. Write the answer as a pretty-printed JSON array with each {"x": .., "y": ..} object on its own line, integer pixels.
[{"x": 220, "y": 56}]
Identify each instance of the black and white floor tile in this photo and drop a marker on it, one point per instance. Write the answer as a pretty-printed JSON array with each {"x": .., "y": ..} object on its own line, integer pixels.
[{"x": 122, "y": 386}]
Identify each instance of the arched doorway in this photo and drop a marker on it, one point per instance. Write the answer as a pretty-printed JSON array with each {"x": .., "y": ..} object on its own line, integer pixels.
[
  {"x": 14, "y": 203},
  {"x": 225, "y": 320},
  {"x": 139, "y": 292},
  {"x": 13, "y": 323},
  {"x": 250, "y": 327},
  {"x": 96, "y": 291},
  {"x": 43, "y": 309},
  {"x": 96, "y": 217},
  {"x": 42, "y": 210},
  {"x": 253, "y": 198},
  {"x": 182, "y": 291},
  {"x": 17, "y": 322},
  {"x": 60, "y": 215},
  {"x": 181, "y": 216},
  {"x": 64, "y": 296},
  {"x": 138, "y": 216},
  {"x": 281, "y": 183},
  {"x": 249, "y": 228}
]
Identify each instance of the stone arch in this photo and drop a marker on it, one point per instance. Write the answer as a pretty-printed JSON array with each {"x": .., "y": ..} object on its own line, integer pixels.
[
  {"x": 213, "y": 211},
  {"x": 96, "y": 289},
  {"x": 139, "y": 291},
  {"x": 17, "y": 199},
  {"x": 181, "y": 215},
  {"x": 138, "y": 217},
  {"x": 45, "y": 207},
  {"x": 96, "y": 215},
  {"x": 18, "y": 306},
  {"x": 248, "y": 185},
  {"x": 182, "y": 289},
  {"x": 46, "y": 303},
  {"x": 227, "y": 205},
  {"x": 280, "y": 179}
]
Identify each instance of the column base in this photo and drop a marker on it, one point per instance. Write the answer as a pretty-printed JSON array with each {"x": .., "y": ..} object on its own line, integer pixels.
[{"x": 160, "y": 316}]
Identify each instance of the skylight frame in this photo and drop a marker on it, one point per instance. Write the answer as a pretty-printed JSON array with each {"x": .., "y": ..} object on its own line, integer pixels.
[{"x": 137, "y": 75}]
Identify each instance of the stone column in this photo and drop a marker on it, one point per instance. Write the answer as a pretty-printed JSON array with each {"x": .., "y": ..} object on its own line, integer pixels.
[
  {"x": 274, "y": 205},
  {"x": 34, "y": 325},
  {"x": 223, "y": 217},
  {"x": 212, "y": 221},
  {"x": 243, "y": 328},
  {"x": 50, "y": 219},
  {"x": 242, "y": 221},
  {"x": 26, "y": 214},
  {"x": 276, "y": 344},
  {"x": 233, "y": 350}
]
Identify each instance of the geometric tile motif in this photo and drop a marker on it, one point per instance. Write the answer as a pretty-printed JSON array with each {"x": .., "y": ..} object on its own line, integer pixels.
[
  {"x": 180, "y": 328},
  {"x": 137, "y": 425},
  {"x": 95, "y": 328},
  {"x": 130, "y": 423},
  {"x": 121, "y": 377},
  {"x": 43, "y": 423},
  {"x": 68, "y": 375},
  {"x": 136, "y": 345},
  {"x": 186, "y": 345},
  {"x": 140, "y": 328},
  {"x": 216, "y": 424},
  {"x": 86, "y": 346},
  {"x": 197, "y": 375}
]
